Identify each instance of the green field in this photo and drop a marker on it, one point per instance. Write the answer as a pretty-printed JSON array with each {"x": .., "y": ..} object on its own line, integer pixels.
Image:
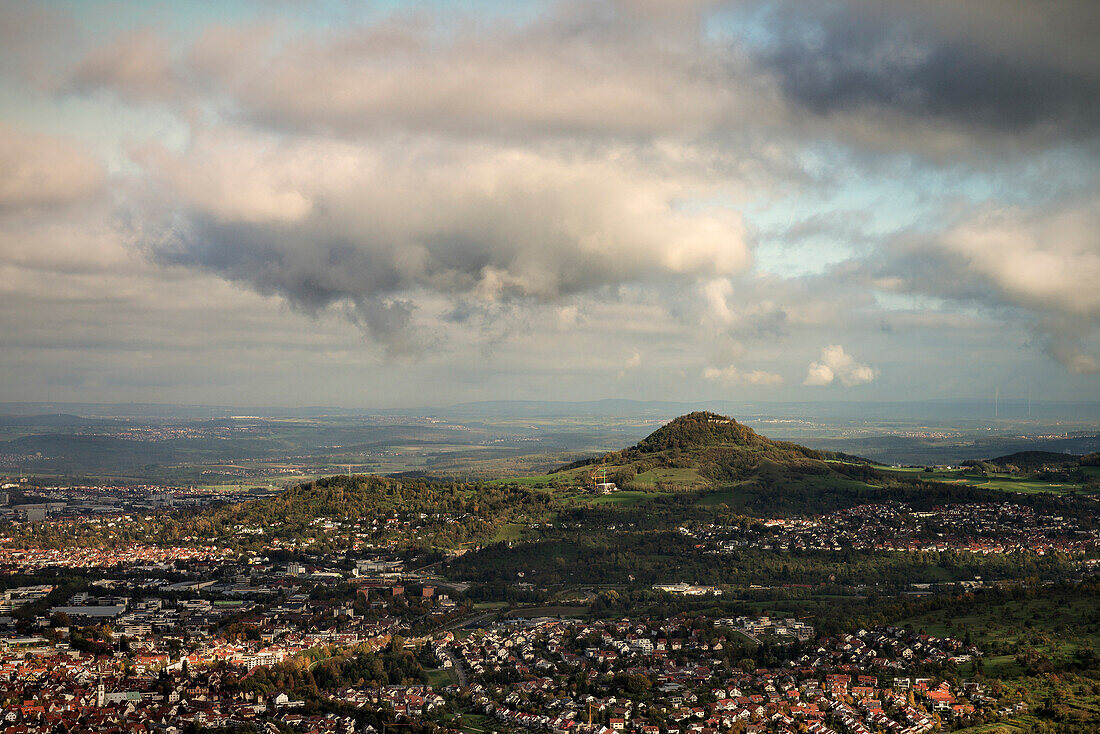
[
  {"x": 1014, "y": 726},
  {"x": 730, "y": 497},
  {"x": 508, "y": 532},
  {"x": 476, "y": 723},
  {"x": 482, "y": 606},
  {"x": 624, "y": 498},
  {"x": 999, "y": 482},
  {"x": 441, "y": 677},
  {"x": 737, "y": 495},
  {"x": 549, "y": 611},
  {"x": 540, "y": 480},
  {"x": 684, "y": 477}
]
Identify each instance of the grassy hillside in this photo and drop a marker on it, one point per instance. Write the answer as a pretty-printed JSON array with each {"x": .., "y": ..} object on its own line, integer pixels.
[{"x": 726, "y": 465}]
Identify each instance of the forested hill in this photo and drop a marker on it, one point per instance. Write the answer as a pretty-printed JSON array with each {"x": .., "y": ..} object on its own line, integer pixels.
[
  {"x": 1034, "y": 460},
  {"x": 449, "y": 512},
  {"x": 705, "y": 448},
  {"x": 708, "y": 441},
  {"x": 703, "y": 430}
]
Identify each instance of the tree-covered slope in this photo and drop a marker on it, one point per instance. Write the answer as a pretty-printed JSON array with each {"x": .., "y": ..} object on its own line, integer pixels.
[
  {"x": 1031, "y": 460},
  {"x": 443, "y": 514}
]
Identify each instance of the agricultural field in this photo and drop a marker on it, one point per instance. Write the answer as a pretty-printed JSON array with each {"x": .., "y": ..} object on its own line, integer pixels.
[{"x": 1000, "y": 482}]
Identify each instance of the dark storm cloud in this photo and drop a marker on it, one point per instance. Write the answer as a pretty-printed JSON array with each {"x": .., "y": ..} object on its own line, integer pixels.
[
  {"x": 852, "y": 57},
  {"x": 312, "y": 277},
  {"x": 311, "y": 274},
  {"x": 376, "y": 235}
]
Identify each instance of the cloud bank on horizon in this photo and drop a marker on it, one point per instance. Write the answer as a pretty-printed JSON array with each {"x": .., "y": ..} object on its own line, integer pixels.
[{"x": 428, "y": 202}]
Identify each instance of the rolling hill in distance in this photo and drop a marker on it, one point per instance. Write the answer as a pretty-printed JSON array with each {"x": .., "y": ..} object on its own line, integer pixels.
[
  {"x": 201, "y": 445},
  {"x": 696, "y": 467}
]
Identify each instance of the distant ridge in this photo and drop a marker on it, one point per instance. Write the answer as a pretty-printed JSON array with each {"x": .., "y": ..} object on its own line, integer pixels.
[
  {"x": 52, "y": 420},
  {"x": 967, "y": 409},
  {"x": 552, "y": 409}
]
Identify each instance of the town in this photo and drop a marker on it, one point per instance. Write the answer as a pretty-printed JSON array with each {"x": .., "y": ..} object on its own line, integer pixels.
[
  {"x": 568, "y": 605},
  {"x": 985, "y": 528},
  {"x": 160, "y": 665}
]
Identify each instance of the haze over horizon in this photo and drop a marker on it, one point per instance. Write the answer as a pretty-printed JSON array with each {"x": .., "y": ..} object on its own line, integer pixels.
[{"x": 398, "y": 204}]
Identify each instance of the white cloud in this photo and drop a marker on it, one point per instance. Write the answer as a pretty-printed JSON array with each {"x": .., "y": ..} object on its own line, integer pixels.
[
  {"x": 617, "y": 77},
  {"x": 1039, "y": 259},
  {"x": 532, "y": 198},
  {"x": 631, "y": 363},
  {"x": 717, "y": 293},
  {"x": 322, "y": 222},
  {"x": 836, "y": 364},
  {"x": 42, "y": 170},
  {"x": 241, "y": 180},
  {"x": 1041, "y": 264},
  {"x": 731, "y": 375}
]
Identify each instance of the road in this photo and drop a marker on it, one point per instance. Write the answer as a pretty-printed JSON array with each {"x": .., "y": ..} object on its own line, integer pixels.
[
  {"x": 466, "y": 621},
  {"x": 460, "y": 670}
]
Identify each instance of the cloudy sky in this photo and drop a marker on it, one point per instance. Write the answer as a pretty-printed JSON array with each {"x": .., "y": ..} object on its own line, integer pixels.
[{"x": 383, "y": 204}]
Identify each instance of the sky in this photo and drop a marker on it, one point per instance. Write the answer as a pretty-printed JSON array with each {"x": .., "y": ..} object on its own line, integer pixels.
[{"x": 401, "y": 204}]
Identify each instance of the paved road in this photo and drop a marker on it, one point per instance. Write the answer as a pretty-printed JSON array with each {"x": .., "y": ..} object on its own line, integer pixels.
[
  {"x": 460, "y": 670},
  {"x": 466, "y": 621}
]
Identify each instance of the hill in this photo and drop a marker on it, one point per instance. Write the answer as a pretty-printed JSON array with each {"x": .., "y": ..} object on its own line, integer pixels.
[
  {"x": 727, "y": 463},
  {"x": 716, "y": 447},
  {"x": 52, "y": 420},
  {"x": 702, "y": 430},
  {"x": 690, "y": 468},
  {"x": 701, "y": 467},
  {"x": 1031, "y": 460},
  {"x": 704, "y": 460},
  {"x": 444, "y": 514}
]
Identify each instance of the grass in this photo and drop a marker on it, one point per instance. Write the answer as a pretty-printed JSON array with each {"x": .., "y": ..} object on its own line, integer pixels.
[
  {"x": 475, "y": 723},
  {"x": 624, "y": 498},
  {"x": 484, "y": 606},
  {"x": 683, "y": 477},
  {"x": 1052, "y": 628},
  {"x": 1012, "y": 726},
  {"x": 999, "y": 482},
  {"x": 743, "y": 638},
  {"x": 738, "y": 495},
  {"x": 511, "y": 531},
  {"x": 441, "y": 677},
  {"x": 730, "y": 496},
  {"x": 537, "y": 481}
]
